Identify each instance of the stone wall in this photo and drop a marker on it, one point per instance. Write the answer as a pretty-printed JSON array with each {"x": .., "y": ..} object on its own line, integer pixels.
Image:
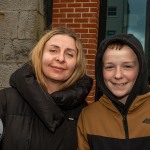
[{"x": 21, "y": 25}]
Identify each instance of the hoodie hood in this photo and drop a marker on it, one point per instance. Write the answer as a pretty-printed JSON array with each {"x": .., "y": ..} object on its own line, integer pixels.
[{"x": 141, "y": 85}]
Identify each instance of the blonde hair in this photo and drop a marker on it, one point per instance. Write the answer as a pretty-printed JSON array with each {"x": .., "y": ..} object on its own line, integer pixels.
[{"x": 37, "y": 52}]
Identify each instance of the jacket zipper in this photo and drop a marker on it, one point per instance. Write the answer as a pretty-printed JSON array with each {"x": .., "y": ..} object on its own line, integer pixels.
[{"x": 125, "y": 125}]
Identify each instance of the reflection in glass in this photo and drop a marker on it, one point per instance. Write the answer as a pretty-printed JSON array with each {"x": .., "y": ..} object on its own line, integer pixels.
[
  {"x": 130, "y": 17},
  {"x": 137, "y": 19}
]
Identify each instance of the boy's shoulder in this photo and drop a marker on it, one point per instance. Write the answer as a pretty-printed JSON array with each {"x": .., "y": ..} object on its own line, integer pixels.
[{"x": 93, "y": 107}]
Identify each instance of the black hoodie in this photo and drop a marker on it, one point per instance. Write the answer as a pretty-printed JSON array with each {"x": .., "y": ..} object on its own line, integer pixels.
[
  {"x": 108, "y": 124},
  {"x": 141, "y": 85}
]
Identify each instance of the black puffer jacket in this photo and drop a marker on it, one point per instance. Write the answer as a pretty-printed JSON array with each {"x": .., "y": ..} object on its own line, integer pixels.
[{"x": 35, "y": 120}]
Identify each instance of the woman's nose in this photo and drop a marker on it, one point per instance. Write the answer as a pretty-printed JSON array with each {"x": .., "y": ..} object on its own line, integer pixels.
[{"x": 60, "y": 58}]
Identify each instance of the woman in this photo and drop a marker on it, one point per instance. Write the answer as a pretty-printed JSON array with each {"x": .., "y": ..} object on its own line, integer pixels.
[
  {"x": 40, "y": 110},
  {"x": 120, "y": 119}
]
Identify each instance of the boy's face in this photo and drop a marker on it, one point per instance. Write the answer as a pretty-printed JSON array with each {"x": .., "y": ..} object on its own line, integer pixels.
[{"x": 120, "y": 70}]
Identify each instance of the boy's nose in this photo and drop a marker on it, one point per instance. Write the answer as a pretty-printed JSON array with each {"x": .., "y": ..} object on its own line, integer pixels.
[{"x": 118, "y": 73}]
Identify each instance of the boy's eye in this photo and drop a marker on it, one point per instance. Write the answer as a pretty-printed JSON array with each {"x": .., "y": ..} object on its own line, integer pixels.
[
  {"x": 108, "y": 67},
  {"x": 128, "y": 66}
]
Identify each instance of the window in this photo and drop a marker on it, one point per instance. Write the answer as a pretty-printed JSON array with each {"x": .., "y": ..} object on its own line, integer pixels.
[
  {"x": 126, "y": 16},
  {"x": 112, "y": 11}
]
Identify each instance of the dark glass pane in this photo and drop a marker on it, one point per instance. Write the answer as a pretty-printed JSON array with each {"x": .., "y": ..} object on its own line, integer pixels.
[
  {"x": 130, "y": 18},
  {"x": 137, "y": 19}
]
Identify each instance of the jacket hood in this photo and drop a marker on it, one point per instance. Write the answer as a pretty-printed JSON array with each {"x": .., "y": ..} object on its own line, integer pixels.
[{"x": 141, "y": 85}]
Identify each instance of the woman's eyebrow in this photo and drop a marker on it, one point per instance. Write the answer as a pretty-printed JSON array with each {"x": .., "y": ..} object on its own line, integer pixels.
[
  {"x": 52, "y": 45},
  {"x": 69, "y": 49}
]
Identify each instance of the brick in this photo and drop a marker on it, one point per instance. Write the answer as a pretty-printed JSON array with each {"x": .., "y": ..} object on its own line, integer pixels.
[
  {"x": 81, "y": 20},
  {"x": 93, "y": 40},
  {"x": 88, "y": 35},
  {"x": 84, "y": 40},
  {"x": 94, "y": 30},
  {"x": 91, "y": 61},
  {"x": 93, "y": 10},
  {"x": 91, "y": 52},
  {"x": 66, "y": 20},
  {"x": 84, "y": 1},
  {"x": 91, "y": 67},
  {"x": 66, "y": 10},
  {"x": 90, "y": 56},
  {"x": 62, "y": 15},
  {"x": 89, "y": 25},
  {"x": 91, "y": 15},
  {"x": 93, "y": 20},
  {"x": 91, "y": 45},
  {"x": 90, "y": 5},
  {"x": 74, "y": 5},
  {"x": 74, "y": 15},
  {"x": 59, "y": 5},
  {"x": 67, "y": 1},
  {"x": 82, "y": 9},
  {"x": 73, "y": 25}
]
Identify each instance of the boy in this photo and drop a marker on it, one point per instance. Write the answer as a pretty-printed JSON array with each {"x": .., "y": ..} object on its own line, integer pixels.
[{"x": 119, "y": 119}]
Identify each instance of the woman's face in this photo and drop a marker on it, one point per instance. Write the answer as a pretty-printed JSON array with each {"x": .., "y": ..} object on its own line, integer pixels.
[
  {"x": 120, "y": 70},
  {"x": 59, "y": 58}
]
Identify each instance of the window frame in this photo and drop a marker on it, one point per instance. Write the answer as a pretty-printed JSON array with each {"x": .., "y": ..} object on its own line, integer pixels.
[
  {"x": 48, "y": 11},
  {"x": 111, "y": 11}
]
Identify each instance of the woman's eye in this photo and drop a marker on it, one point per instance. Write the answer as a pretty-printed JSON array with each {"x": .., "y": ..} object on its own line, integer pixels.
[
  {"x": 70, "y": 54},
  {"x": 52, "y": 50}
]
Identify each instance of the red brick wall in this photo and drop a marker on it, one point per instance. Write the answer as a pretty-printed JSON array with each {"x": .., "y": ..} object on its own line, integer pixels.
[{"x": 83, "y": 17}]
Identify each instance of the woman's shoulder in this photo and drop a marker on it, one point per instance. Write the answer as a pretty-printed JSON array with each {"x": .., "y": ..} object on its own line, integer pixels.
[
  {"x": 14, "y": 102},
  {"x": 9, "y": 91}
]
